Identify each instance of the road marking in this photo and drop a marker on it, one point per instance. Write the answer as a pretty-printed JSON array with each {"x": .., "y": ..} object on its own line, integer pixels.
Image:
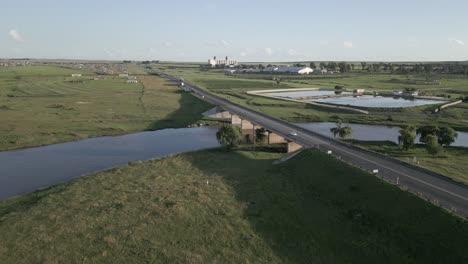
[{"x": 401, "y": 173}]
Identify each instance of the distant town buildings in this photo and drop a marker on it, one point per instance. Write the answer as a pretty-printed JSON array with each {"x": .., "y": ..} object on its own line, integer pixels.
[
  {"x": 132, "y": 81},
  {"x": 279, "y": 70},
  {"x": 219, "y": 62},
  {"x": 76, "y": 75},
  {"x": 14, "y": 63}
]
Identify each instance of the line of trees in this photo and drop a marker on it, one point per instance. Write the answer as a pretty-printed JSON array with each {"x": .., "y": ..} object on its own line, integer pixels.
[
  {"x": 434, "y": 137},
  {"x": 401, "y": 68}
]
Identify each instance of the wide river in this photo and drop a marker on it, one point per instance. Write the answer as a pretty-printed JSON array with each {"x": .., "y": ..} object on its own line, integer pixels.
[
  {"x": 29, "y": 169},
  {"x": 26, "y": 170}
]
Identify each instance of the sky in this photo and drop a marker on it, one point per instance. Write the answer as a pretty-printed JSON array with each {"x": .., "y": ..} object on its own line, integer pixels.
[{"x": 254, "y": 30}]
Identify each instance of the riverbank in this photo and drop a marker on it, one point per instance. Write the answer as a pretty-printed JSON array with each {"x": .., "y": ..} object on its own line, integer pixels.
[{"x": 194, "y": 208}]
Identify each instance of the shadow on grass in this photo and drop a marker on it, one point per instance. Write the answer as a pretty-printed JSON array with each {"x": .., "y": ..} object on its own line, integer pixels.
[
  {"x": 24, "y": 202},
  {"x": 190, "y": 110},
  {"x": 314, "y": 209}
]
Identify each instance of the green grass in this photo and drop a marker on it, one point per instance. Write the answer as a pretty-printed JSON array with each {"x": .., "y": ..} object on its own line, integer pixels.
[
  {"x": 229, "y": 207},
  {"x": 451, "y": 162},
  {"x": 43, "y": 105}
]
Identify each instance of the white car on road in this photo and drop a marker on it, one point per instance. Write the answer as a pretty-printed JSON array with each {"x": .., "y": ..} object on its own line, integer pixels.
[{"x": 293, "y": 133}]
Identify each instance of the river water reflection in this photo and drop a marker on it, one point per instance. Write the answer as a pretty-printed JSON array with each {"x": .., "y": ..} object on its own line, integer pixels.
[{"x": 29, "y": 169}]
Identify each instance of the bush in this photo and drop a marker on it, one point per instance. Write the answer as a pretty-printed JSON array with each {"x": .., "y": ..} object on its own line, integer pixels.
[
  {"x": 229, "y": 136},
  {"x": 432, "y": 145}
]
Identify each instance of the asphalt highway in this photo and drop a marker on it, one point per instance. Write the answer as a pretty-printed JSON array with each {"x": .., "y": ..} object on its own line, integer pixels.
[{"x": 429, "y": 185}]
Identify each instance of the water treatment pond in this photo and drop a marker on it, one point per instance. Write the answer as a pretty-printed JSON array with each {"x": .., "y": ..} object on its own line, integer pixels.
[
  {"x": 360, "y": 101},
  {"x": 29, "y": 169},
  {"x": 374, "y": 132},
  {"x": 377, "y": 101},
  {"x": 299, "y": 94}
]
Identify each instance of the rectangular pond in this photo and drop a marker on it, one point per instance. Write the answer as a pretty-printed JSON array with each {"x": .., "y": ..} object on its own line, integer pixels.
[
  {"x": 298, "y": 94},
  {"x": 378, "y": 101}
]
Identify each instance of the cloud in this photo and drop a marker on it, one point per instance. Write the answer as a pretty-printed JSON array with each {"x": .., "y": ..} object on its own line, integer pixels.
[
  {"x": 268, "y": 51},
  {"x": 456, "y": 41},
  {"x": 324, "y": 42},
  {"x": 348, "y": 44},
  {"x": 218, "y": 43},
  {"x": 15, "y": 35},
  {"x": 225, "y": 43},
  {"x": 243, "y": 54},
  {"x": 292, "y": 52},
  {"x": 167, "y": 44}
]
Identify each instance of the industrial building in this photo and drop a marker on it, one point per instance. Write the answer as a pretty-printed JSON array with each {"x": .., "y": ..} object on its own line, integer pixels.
[
  {"x": 226, "y": 62},
  {"x": 287, "y": 69}
]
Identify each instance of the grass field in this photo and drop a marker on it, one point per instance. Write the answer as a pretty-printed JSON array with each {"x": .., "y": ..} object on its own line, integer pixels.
[
  {"x": 192, "y": 208},
  {"x": 451, "y": 162},
  {"x": 44, "y": 104},
  {"x": 235, "y": 87}
]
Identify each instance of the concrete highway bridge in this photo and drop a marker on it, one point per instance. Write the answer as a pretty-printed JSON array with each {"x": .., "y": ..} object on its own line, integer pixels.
[{"x": 435, "y": 188}]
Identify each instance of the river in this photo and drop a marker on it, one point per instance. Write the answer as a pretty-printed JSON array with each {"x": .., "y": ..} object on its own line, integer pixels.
[{"x": 26, "y": 170}]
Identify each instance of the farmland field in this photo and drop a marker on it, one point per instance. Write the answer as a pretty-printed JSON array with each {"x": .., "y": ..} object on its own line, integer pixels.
[{"x": 43, "y": 104}]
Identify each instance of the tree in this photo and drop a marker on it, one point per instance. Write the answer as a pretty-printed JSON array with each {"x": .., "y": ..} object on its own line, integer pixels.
[
  {"x": 323, "y": 65},
  {"x": 428, "y": 68},
  {"x": 444, "y": 135},
  {"x": 426, "y": 131},
  {"x": 313, "y": 66},
  {"x": 418, "y": 68},
  {"x": 407, "y": 137},
  {"x": 332, "y": 65},
  {"x": 447, "y": 136},
  {"x": 376, "y": 67},
  {"x": 432, "y": 145},
  {"x": 343, "y": 67},
  {"x": 229, "y": 136},
  {"x": 341, "y": 131},
  {"x": 363, "y": 65},
  {"x": 260, "y": 134}
]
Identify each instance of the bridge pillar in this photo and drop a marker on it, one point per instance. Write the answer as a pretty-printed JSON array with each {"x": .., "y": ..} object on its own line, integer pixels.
[
  {"x": 293, "y": 146},
  {"x": 275, "y": 138},
  {"x": 236, "y": 120},
  {"x": 248, "y": 131},
  {"x": 246, "y": 125}
]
